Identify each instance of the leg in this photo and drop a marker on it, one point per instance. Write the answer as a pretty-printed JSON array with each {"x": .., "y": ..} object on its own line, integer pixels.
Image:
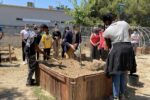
[
  {"x": 116, "y": 84},
  {"x": 123, "y": 82},
  {"x": 48, "y": 52},
  {"x": 44, "y": 55},
  {"x": 63, "y": 52},
  {"x": 23, "y": 53},
  {"x": 37, "y": 54},
  {"x": 32, "y": 64},
  {"x": 92, "y": 52},
  {"x": 55, "y": 49}
]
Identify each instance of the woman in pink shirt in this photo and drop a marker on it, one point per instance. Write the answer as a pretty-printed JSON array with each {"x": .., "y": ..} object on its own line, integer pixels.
[
  {"x": 102, "y": 47},
  {"x": 94, "y": 40}
]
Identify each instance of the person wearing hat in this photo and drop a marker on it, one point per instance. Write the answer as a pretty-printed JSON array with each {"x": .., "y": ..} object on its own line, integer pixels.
[{"x": 121, "y": 57}]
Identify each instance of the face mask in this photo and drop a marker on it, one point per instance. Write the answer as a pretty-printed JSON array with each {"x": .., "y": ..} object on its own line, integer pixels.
[{"x": 27, "y": 29}]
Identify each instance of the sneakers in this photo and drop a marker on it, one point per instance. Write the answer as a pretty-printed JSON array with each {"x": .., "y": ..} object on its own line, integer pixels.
[
  {"x": 116, "y": 98},
  {"x": 122, "y": 97},
  {"x": 31, "y": 83}
]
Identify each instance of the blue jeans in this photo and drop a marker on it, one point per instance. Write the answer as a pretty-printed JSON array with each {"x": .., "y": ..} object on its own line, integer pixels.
[{"x": 119, "y": 83}]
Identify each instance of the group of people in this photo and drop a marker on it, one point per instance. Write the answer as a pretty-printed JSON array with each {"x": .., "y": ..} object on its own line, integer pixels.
[
  {"x": 112, "y": 42},
  {"x": 33, "y": 36},
  {"x": 115, "y": 44},
  {"x": 99, "y": 48}
]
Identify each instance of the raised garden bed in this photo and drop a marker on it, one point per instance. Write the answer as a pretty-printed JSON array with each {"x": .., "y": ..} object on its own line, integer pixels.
[
  {"x": 142, "y": 50},
  {"x": 70, "y": 82}
]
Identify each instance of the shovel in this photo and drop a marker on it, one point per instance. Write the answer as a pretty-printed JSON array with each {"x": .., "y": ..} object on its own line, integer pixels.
[{"x": 56, "y": 60}]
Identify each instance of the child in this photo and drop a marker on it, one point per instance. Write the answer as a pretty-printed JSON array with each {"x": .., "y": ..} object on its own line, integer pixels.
[{"x": 47, "y": 42}]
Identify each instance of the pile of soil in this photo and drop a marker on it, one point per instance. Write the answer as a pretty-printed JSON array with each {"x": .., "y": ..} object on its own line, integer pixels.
[{"x": 72, "y": 68}]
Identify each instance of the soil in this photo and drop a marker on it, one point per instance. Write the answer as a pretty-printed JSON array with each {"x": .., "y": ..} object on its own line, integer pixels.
[
  {"x": 13, "y": 79},
  {"x": 72, "y": 68}
]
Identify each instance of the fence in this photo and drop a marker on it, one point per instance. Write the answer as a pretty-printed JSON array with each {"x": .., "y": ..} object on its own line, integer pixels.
[
  {"x": 12, "y": 36},
  {"x": 145, "y": 36}
]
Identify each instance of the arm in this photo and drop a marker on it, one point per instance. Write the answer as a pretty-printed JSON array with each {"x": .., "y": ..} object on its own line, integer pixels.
[
  {"x": 66, "y": 39},
  {"x": 60, "y": 35},
  {"x": 53, "y": 35},
  {"x": 43, "y": 39},
  {"x": 92, "y": 42},
  {"x": 21, "y": 35},
  {"x": 91, "y": 39},
  {"x": 107, "y": 37},
  {"x": 108, "y": 42}
]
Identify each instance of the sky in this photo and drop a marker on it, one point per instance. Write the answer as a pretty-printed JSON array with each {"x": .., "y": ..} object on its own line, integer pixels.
[{"x": 39, "y": 3}]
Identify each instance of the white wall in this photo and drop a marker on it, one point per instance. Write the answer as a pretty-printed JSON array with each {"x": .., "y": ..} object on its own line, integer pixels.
[{"x": 8, "y": 15}]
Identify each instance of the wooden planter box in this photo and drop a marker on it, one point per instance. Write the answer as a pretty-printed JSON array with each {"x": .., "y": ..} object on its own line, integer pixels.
[
  {"x": 89, "y": 87},
  {"x": 146, "y": 50},
  {"x": 139, "y": 50},
  {"x": 142, "y": 50}
]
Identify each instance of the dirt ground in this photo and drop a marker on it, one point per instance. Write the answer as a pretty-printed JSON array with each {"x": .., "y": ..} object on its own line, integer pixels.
[
  {"x": 13, "y": 79},
  {"x": 12, "y": 82}
]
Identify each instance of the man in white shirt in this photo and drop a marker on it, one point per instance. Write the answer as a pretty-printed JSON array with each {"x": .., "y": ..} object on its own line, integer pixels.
[{"x": 24, "y": 36}]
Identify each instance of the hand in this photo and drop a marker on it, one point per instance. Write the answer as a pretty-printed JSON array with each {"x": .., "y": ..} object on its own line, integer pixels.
[
  {"x": 56, "y": 37},
  {"x": 72, "y": 46}
]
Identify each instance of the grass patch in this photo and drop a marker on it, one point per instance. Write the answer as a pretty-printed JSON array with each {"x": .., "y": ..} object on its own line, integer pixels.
[{"x": 42, "y": 95}]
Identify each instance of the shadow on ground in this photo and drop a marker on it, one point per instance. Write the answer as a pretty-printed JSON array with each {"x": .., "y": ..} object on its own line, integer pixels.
[
  {"x": 132, "y": 95},
  {"x": 10, "y": 94}
]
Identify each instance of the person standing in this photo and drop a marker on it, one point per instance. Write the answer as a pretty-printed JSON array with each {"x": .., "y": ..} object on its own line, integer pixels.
[
  {"x": 135, "y": 37},
  {"x": 95, "y": 40},
  {"x": 71, "y": 41},
  {"x": 31, "y": 47},
  {"x": 62, "y": 44},
  {"x": 121, "y": 57},
  {"x": 24, "y": 36},
  {"x": 102, "y": 47},
  {"x": 56, "y": 42},
  {"x": 47, "y": 42}
]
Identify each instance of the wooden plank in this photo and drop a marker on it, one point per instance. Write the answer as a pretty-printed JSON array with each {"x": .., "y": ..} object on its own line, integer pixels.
[
  {"x": 80, "y": 89},
  {"x": 46, "y": 82},
  {"x": 52, "y": 73},
  {"x": 58, "y": 90},
  {"x": 92, "y": 76},
  {"x": 64, "y": 90},
  {"x": 41, "y": 79}
]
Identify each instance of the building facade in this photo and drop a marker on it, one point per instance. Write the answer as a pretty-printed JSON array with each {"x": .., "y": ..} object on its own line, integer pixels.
[{"x": 18, "y": 16}]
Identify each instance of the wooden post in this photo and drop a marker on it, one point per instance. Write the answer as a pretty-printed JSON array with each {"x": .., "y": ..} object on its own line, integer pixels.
[{"x": 10, "y": 54}]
